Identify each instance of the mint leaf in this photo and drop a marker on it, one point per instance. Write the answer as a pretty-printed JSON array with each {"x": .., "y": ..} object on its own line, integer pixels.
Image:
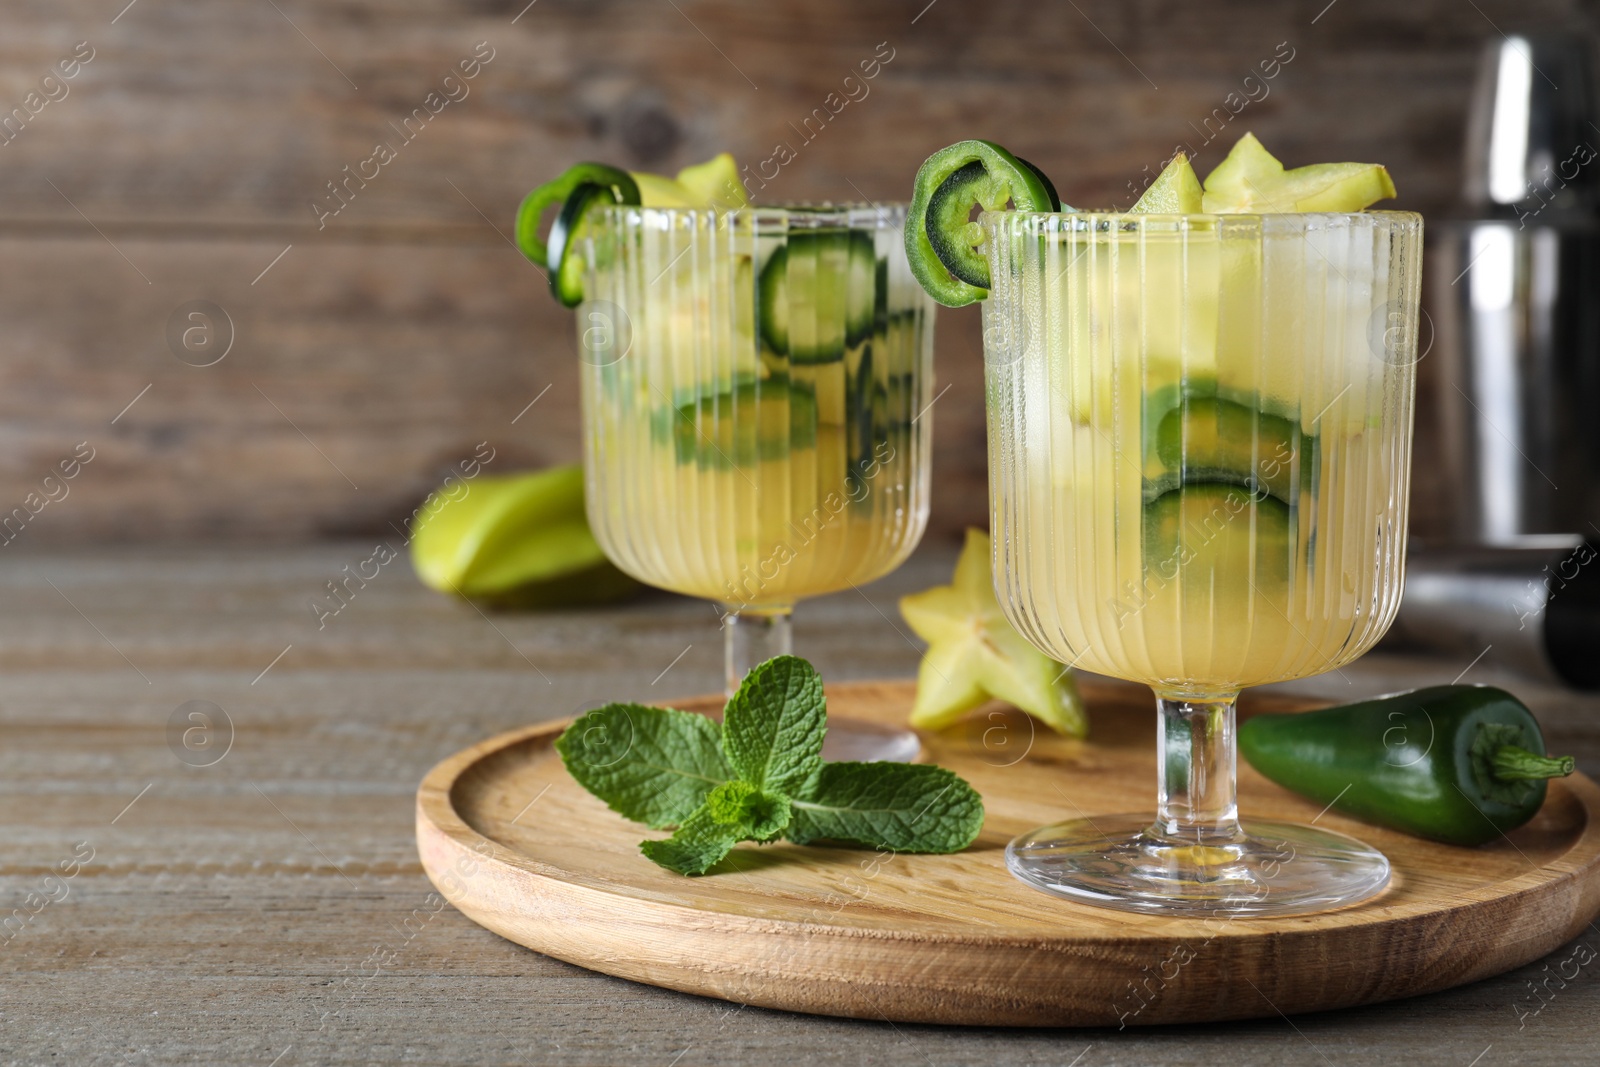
[
  {"x": 733, "y": 812},
  {"x": 762, "y": 816},
  {"x": 697, "y": 845},
  {"x": 907, "y": 807},
  {"x": 651, "y": 765},
  {"x": 773, "y": 726}
]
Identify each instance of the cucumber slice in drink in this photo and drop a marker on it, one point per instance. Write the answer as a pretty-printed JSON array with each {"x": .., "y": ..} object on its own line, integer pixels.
[
  {"x": 880, "y": 296},
  {"x": 861, "y": 297},
  {"x": 1208, "y": 439},
  {"x": 818, "y": 294},
  {"x": 1206, "y": 535},
  {"x": 773, "y": 301},
  {"x": 902, "y": 402},
  {"x": 754, "y": 421},
  {"x": 859, "y": 410}
]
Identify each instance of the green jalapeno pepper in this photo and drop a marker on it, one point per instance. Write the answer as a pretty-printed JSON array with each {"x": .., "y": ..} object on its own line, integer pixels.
[{"x": 1462, "y": 764}]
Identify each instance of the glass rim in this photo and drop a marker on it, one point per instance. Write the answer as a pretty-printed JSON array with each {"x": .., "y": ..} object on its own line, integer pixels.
[
  {"x": 990, "y": 219},
  {"x": 855, "y": 211}
]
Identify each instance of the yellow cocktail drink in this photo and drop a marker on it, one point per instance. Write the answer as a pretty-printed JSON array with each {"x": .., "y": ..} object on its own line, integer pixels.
[
  {"x": 754, "y": 396},
  {"x": 1202, "y": 469}
]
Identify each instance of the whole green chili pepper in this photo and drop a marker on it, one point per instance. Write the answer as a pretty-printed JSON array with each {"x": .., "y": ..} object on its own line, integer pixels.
[{"x": 1461, "y": 764}]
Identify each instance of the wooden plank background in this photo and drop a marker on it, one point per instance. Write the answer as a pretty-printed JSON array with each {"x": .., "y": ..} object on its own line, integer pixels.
[{"x": 183, "y": 159}]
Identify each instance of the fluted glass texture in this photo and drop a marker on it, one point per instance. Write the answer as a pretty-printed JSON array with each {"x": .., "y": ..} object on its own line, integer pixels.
[
  {"x": 1199, "y": 438},
  {"x": 754, "y": 387}
]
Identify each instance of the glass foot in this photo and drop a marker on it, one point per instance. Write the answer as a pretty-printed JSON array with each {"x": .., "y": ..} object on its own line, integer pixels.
[
  {"x": 867, "y": 742},
  {"x": 1269, "y": 868}
]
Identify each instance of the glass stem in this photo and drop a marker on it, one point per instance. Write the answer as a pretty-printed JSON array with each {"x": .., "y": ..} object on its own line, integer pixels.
[
  {"x": 1198, "y": 792},
  {"x": 753, "y": 637}
]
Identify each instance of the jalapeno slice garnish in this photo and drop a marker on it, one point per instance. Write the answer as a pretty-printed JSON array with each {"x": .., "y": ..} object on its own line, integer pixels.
[
  {"x": 941, "y": 237},
  {"x": 623, "y": 189},
  {"x": 566, "y": 270}
]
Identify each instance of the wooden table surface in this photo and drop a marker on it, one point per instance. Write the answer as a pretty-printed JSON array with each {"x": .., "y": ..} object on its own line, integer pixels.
[{"x": 269, "y": 908}]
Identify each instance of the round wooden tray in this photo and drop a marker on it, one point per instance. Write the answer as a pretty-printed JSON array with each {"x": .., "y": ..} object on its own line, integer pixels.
[{"x": 514, "y": 843}]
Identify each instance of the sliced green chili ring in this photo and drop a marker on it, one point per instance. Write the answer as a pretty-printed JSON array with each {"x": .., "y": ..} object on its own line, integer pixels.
[
  {"x": 941, "y": 239},
  {"x": 623, "y": 188},
  {"x": 566, "y": 269},
  {"x": 1044, "y": 179},
  {"x": 950, "y": 225}
]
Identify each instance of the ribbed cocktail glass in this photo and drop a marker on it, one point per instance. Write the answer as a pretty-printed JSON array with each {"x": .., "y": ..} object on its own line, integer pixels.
[
  {"x": 1199, "y": 442},
  {"x": 755, "y": 386}
]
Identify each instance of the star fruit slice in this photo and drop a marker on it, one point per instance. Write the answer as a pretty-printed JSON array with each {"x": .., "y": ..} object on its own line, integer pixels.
[
  {"x": 715, "y": 183},
  {"x": 1176, "y": 191},
  {"x": 514, "y": 540},
  {"x": 712, "y": 184},
  {"x": 974, "y": 654},
  {"x": 1252, "y": 181}
]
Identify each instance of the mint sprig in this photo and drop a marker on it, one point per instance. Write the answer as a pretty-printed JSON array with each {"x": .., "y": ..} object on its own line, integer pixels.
[
  {"x": 651, "y": 765},
  {"x": 760, "y": 776},
  {"x": 772, "y": 727}
]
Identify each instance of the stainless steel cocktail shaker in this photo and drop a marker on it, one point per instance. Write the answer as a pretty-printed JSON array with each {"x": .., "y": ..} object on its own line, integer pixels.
[{"x": 1516, "y": 299}]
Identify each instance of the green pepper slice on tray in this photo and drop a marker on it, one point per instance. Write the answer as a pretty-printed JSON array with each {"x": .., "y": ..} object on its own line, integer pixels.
[
  {"x": 941, "y": 238},
  {"x": 623, "y": 189},
  {"x": 1461, "y": 764}
]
